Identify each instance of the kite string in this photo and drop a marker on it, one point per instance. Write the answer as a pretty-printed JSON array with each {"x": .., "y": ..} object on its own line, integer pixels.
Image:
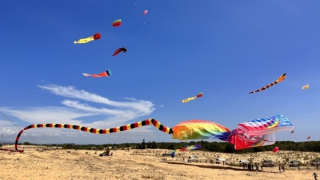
[{"x": 14, "y": 124}]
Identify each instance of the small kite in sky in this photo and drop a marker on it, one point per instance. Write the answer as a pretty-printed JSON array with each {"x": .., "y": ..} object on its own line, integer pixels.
[
  {"x": 281, "y": 78},
  {"x": 116, "y": 23},
  {"x": 306, "y": 86},
  {"x": 292, "y": 131},
  {"x": 144, "y": 12},
  {"x": 192, "y": 98},
  {"x": 106, "y": 73},
  {"x": 308, "y": 137},
  {"x": 86, "y": 40},
  {"x": 123, "y": 49}
]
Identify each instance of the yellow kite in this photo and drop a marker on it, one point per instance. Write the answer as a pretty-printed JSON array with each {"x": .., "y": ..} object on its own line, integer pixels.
[
  {"x": 86, "y": 40},
  {"x": 192, "y": 98},
  {"x": 306, "y": 86}
]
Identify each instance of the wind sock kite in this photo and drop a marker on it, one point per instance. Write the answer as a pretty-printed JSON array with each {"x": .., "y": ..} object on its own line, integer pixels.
[
  {"x": 281, "y": 78},
  {"x": 117, "y": 23},
  {"x": 86, "y": 40},
  {"x": 106, "y": 73},
  {"x": 192, "y": 98},
  {"x": 306, "y": 86},
  {"x": 193, "y": 147},
  {"x": 144, "y": 12},
  {"x": 255, "y": 133},
  {"x": 123, "y": 49}
]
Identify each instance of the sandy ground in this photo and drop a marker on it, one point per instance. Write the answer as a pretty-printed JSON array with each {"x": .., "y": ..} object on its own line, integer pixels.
[{"x": 142, "y": 164}]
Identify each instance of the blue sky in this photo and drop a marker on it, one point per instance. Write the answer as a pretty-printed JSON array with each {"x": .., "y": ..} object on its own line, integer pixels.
[{"x": 224, "y": 49}]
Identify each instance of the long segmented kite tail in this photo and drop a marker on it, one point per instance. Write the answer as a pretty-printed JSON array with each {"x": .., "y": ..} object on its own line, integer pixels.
[
  {"x": 265, "y": 87},
  {"x": 146, "y": 122},
  {"x": 281, "y": 78}
]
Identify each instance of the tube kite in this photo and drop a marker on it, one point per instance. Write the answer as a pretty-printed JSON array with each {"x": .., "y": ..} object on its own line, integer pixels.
[
  {"x": 193, "y": 147},
  {"x": 306, "y": 86},
  {"x": 192, "y": 98},
  {"x": 86, "y": 40},
  {"x": 144, "y": 12},
  {"x": 281, "y": 78},
  {"x": 123, "y": 49},
  {"x": 106, "y": 73},
  {"x": 116, "y": 23},
  {"x": 255, "y": 133}
]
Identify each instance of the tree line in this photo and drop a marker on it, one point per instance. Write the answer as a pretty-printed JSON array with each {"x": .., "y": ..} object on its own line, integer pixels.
[{"x": 224, "y": 147}]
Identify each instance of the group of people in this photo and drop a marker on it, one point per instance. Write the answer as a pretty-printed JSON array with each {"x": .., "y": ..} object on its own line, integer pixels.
[{"x": 251, "y": 166}]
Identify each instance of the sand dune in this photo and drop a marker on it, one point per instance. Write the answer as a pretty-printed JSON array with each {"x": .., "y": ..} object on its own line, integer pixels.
[{"x": 142, "y": 164}]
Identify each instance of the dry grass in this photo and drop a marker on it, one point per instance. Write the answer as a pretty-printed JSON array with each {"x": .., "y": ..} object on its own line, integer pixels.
[{"x": 140, "y": 164}]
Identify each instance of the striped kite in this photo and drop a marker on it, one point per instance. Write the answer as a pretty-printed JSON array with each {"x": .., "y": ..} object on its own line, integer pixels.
[
  {"x": 123, "y": 49},
  {"x": 281, "y": 78},
  {"x": 86, "y": 40},
  {"x": 106, "y": 73},
  {"x": 192, "y": 98},
  {"x": 306, "y": 86},
  {"x": 116, "y": 23},
  {"x": 193, "y": 147},
  {"x": 254, "y": 133}
]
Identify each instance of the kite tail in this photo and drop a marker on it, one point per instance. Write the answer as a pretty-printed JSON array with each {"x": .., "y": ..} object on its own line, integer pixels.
[{"x": 150, "y": 121}]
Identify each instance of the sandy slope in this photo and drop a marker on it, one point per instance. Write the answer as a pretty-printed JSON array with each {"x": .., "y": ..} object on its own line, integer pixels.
[{"x": 58, "y": 164}]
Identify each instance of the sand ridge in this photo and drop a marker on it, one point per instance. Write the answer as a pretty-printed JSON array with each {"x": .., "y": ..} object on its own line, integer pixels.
[{"x": 138, "y": 164}]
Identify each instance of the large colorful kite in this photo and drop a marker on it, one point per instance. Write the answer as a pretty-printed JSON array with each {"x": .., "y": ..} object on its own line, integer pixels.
[
  {"x": 123, "y": 49},
  {"x": 192, "y": 98},
  {"x": 255, "y": 133},
  {"x": 116, "y": 23},
  {"x": 193, "y": 147},
  {"x": 106, "y": 73},
  {"x": 281, "y": 78},
  {"x": 86, "y": 40}
]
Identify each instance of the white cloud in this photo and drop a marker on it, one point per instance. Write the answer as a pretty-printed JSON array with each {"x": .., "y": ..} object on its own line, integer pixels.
[
  {"x": 112, "y": 114},
  {"x": 139, "y": 106}
]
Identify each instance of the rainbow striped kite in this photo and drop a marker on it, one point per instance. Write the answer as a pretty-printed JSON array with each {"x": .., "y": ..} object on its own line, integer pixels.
[
  {"x": 116, "y": 23},
  {"x": 106, "y": 73}
]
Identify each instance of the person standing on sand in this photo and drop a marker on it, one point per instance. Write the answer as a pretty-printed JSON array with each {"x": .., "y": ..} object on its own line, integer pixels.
[
  {"x": 279, "y": 167},
  {"x": 317, "y": 166},
  {"x": 261, "y": 167},
  {"x": 283, "y": 168},
  {"x": 298, "y": 166},
  {"x": 315, "y": 175}
]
